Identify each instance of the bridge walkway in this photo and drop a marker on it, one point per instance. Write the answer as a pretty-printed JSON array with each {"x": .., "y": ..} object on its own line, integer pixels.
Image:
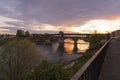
[{"x": 111, "y": 65}]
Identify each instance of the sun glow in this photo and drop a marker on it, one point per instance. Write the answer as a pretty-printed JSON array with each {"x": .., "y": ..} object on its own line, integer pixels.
[
  {"x": 96, "y": 25},
  {"x": 100, "y": 26},
  {"x": 47, "y": 27}
]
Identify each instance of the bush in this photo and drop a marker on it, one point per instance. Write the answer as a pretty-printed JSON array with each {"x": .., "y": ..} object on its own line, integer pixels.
[
  {"x": 47, "y": 71},
  {"x": 4, "y": 41},
  {"x": 95, "y": 40}
]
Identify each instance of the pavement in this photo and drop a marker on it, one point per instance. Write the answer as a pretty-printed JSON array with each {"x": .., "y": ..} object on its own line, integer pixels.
[{"x": 111, "y": 65}]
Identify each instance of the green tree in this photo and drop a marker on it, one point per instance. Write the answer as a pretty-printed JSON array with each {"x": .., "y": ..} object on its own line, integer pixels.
[
  {"x": 27, "y": 34},
  {"x": 20, "y": 33},
  {"x": 16, "y": 59}
]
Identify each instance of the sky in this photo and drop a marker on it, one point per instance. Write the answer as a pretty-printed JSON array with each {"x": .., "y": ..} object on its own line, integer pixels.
[{"x": 51, "y": 16}]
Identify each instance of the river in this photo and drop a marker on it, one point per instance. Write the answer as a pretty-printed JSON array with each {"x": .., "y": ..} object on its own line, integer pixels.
[{"x": 52, "y": 54}]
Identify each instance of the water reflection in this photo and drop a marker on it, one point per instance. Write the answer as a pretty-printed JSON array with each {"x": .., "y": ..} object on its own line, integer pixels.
[
  {"x": 81, "y": 45},
  {"x": 69, "y": 46},
  {"x": 60, "y": 52}
]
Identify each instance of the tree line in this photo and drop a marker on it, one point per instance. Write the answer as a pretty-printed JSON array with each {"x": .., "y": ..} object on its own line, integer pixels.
[{"x": 21, "y": 33}]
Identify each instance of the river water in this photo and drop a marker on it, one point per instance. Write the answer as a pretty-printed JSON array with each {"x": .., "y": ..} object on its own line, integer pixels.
[{"x": 52, "y": 54}]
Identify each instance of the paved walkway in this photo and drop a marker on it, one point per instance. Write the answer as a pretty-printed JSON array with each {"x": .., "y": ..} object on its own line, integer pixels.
[{"x": 111, "y": 65}]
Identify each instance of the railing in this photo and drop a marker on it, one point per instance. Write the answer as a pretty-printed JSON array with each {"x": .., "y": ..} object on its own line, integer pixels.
[{"x": 92, "y": 68}]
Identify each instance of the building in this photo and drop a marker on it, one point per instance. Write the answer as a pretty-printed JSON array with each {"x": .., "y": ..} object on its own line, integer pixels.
[
  {"x": 116, "y": 34},
  {"x": 3, "y": 36}
]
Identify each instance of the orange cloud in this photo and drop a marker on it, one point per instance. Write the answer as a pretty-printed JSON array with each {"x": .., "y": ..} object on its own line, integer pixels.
[{"x": 112, "y": 18}]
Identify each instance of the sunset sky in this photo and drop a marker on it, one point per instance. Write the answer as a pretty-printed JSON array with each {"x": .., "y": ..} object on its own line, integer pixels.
[{"x": 50, "y": 16}]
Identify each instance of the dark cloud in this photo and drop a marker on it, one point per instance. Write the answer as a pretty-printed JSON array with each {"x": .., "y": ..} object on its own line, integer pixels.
[
  {"x": 62, "y": 11},
  {"x": 17, "y": 24},
  {"x": 58, "y": 12}
]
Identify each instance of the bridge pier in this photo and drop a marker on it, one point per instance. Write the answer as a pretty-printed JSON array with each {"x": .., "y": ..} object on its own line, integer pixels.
[
  {"x": 61, "y": 45},
  {"x": 61, "y": 42},
  {"x": 61, "y": 34},
  {"x": 75, "y": 44}
]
